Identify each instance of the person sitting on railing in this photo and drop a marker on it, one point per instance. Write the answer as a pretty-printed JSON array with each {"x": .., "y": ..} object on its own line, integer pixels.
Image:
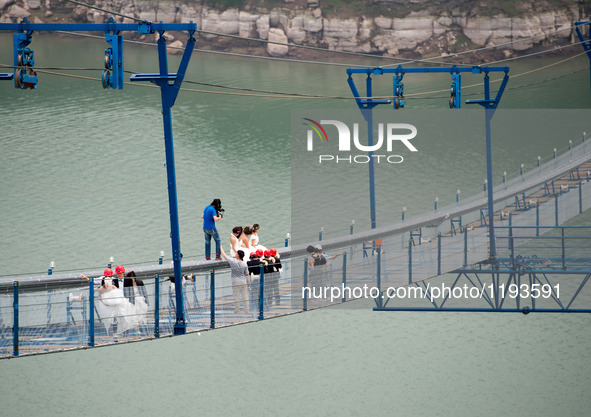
[
  {"x": 318, "y": 257},
  {"x": 246, "y": 237},
  {"x": 254, "y": 238},
  {"x": 235, "y": 240},
  {"x": 319, "y": 266}
]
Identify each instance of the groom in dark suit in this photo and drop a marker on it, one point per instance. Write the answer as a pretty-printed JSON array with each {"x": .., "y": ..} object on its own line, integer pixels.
[{"x": 126, "y": 283}]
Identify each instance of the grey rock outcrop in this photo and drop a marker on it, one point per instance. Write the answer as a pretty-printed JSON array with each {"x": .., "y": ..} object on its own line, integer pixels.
[{"x": 416, "y": 34}]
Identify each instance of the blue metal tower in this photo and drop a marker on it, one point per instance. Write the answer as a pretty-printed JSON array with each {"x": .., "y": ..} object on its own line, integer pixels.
[
  {"x": 25, "y": 76},
  {"x": 490, "y": 104}
]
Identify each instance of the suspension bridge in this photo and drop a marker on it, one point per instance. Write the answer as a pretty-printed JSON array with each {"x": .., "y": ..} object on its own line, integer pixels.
[{"x": 520, "y": 258}]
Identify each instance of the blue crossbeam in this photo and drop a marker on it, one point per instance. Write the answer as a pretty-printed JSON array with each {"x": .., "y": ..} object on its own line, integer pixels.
[
  {"x": 152, "y": 77},
  {"x": 374, "y": 102},
  {"x": 481, "y": 101},
  {"x": 4, "y": 76},
  {"x": 448, "y": 70}
]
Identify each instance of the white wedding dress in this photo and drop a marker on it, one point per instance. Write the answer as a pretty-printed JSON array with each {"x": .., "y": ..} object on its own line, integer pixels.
[
  {"x": 240, "y": 246},
  {"x": 254, "y": 242},
  {"x": 112, "y": 304}
]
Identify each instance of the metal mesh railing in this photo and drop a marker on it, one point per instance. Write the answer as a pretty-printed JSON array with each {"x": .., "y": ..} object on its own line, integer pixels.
[{"x": 41, "y": 314}]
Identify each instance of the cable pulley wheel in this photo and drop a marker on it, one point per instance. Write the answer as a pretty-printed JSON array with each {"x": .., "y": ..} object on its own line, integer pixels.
[
  {"x": 108, "y": 64},
  {"x": 106, "y": 78},
  {"x": 17, "y": 78}
]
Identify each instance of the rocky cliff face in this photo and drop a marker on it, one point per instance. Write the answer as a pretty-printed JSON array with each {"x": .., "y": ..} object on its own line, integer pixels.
[{"x": 426, "y": 32}]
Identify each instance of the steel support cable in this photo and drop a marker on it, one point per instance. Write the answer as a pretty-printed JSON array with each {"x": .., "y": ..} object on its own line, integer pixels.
[
  {"x": 499, "y": 80},
  {"x": 244, "y": 89},
  {"x": 235, "y": 54},
  {"x": 324, "y": 62},
  {"x": 274, "y": 94},
  {"x": 507, "y": 88},
  {"x": 556, "y": 48},
  {"x": 54, "y": 68},
  {"x": 406, "y": 60},
  {"x": 247, "y": 38}
]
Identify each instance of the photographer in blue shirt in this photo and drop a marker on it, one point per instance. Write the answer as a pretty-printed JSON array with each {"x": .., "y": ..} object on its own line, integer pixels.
[{"x": 212, "y": 214}]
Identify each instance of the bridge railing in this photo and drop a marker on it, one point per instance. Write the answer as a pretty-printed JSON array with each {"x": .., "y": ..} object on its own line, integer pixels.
[
  {"x": 36, "y": 318},
  {"x": 59, "y": 312}
]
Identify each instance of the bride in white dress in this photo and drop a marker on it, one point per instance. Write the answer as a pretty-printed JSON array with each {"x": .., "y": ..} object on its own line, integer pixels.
[
  {"x": 239, "y": 241},
  {"x": 235, "y": 241},
  {"x": 112, "y": 304},
  {"x": 254, "y": 238}
]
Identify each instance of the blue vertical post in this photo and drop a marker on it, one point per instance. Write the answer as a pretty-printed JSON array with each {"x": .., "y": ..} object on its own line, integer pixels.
[
  {"x": 466, "y": 247},
  {"x": 180, "y": 324},
  {"x": 262, "y": 294},
  {"x": 49, "y": 292},
  {"x": 91, "y": 312},
  {"x": 511, "y": 241},
  {"x": 556, "y": 210},
  {"x": 344, "y": 275},
  {"x": 304, "y": 292},
  {"x": 320, "y": 234},
  {"x": 580, "y": 196},
  {"x": 490, "y": 106},
  {"x": 157, "y": 305},
  {"x": 287, "y": 240},
  {"x": 169, "y": 93},
  {"x": 563, "y": 249},
  {"x": 410, "y": 260},
  {"x": 439, "y": 253},
  {"x": 585, "y": 43},
  {"x": 15, "y": 319},
  {"x": 538, "y": 218},
  {"x": 212, "y": 302},
  {"x": 489, "y": 175},
  {"x": 379, "y": 277},
  {"x": 368, "y": 114}
]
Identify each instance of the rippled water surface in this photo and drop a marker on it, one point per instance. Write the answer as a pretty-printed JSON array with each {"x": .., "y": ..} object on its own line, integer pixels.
[{"x": 83, "y": 179}]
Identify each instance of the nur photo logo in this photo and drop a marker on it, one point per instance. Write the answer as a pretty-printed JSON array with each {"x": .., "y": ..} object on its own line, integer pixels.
[{"x": 391, "y": 134}]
